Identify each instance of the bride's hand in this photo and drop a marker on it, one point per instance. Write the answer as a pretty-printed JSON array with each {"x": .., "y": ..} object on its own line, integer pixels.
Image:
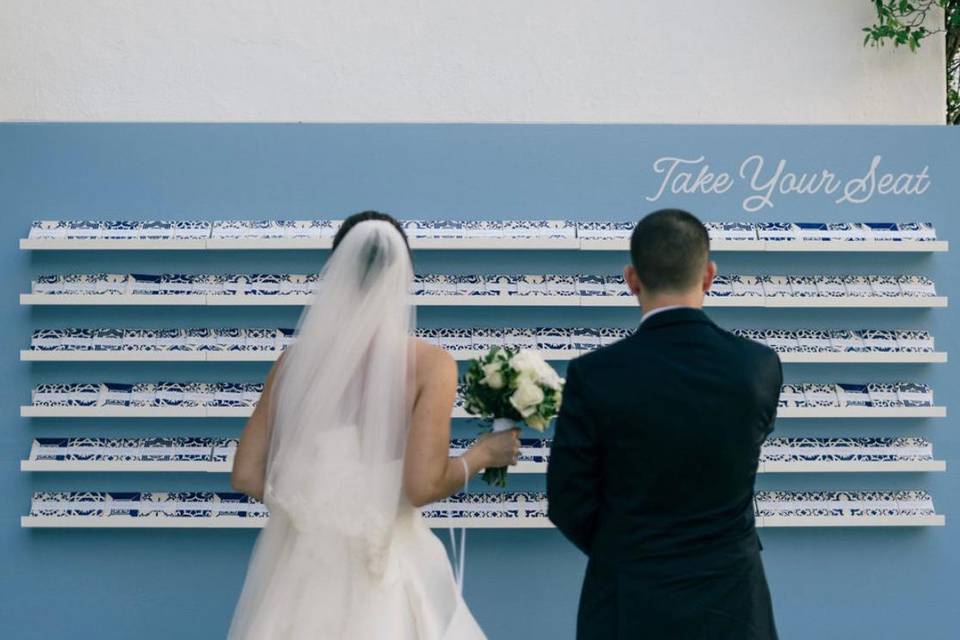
[{"x": 501, "y": 449}]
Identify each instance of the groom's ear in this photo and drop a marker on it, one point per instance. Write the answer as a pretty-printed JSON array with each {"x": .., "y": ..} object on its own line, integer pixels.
[
  {"x": 632, "y": 279},
  {"x": 709, "y": 274}
]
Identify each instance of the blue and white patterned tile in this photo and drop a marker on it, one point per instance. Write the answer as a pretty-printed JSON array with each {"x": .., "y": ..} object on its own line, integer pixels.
[
  {"x": 846, "y": 231},
  {"x": 113, "y": 284},
  {"x": 912, "y": 394},
  {"x": 831, "y": 287},
  {"x": 48, "y": 230},
  {"x": 552, "y": 339},
  {"x": 484, "y": 339},
  {"x": 49, "y": 284},
  {"x": 139, "y": 340},
  {"x": 885, "y": 286},
  {"x": 746, "y": 285},
  {"x": 120, "y": 230},
  {"x": 116, "y": 394},
  {"x": 145, "y": 284},
  {"x": 916, "y": 286},
  {"x": 590, "y": 285},
  {"x": 914, "y": 341},
  {"x": 456, "y": 339},
  {"x": 47, "y": 339},
  {"x": 584, "y": 339},
  {"x": 558, "y": 285},
  {"x": 191, "y": 229},
  {"x": 777, "y": 231},
  {"x": 883, "y": 394},
  {"x": 266, "y": 284},
  {"x": 882, "y": 230},
  {"x": 143, "y": 394},
  {"x": 781, "y": 341},
  {"x": 814, "y": 231},
  {"x": 472, "y": 285},
  {"x": 776, "y": 286},
  {"x": 502, "y": 284},
  {"x": 846, "y": 340},
  {"x": 156, "y": 230},
  {"x": 83, "y": 229},
  {"x": 853, "y": 395},
  {"x": 78, "y": 339},
  {"x": 858, "y": 286},
  {"x": 804, "y": 286},
  {"x": 108, "y": 339},
  {"x": 721, "y": 287},
  {"x": 816, "y": 341},
  {"x": 923, "y": 231},
  {"x": 614, "y": 285},
  {"x": 792, "y": 395},
  {"x": 520, "y": 338},
  {"x": 171, "y": 339},
  {"x": 820, "y": 395},
  {"x": 532, "y": 285},
  {"x": 879, "y": 340},
  {"x": 50, "y": 449}
]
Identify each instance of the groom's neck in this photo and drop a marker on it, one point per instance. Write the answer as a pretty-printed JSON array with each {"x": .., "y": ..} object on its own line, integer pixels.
[{"x": 680, "y": 299}]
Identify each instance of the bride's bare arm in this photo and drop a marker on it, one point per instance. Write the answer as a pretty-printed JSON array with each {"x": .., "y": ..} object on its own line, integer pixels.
[
  {"x": 250, "y": 463},
  {"x": 429, "y": 473}
]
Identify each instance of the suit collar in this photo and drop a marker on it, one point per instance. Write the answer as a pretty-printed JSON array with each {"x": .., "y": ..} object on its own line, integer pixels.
[{"x": 680, "y": 315}]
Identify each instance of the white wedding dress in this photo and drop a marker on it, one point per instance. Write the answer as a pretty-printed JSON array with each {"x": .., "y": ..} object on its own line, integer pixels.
[{"x": 344, "y": 554}]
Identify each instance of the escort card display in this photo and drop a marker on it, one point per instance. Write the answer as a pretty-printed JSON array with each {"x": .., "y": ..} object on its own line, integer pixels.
[
  {"x": 240, "y": 394},
  {"x": 534, "y": 451},
  {"x": 157, "y": 508},
  {"x": 576, "y": 340},
  {"x": 441, "y": 285},
  {"x": 456, "y": 229},
  {"x": 503, "y": 509}
]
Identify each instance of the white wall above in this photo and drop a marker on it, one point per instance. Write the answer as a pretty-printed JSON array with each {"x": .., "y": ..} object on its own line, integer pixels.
[{"x": 753, "y": 61}]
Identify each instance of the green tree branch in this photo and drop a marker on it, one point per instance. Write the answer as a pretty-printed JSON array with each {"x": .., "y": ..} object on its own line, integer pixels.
[{"x": 904, "y": 23}]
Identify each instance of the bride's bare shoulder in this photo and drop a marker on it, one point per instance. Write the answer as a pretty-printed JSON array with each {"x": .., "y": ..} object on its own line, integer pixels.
[{"x": 433, "y": 361}]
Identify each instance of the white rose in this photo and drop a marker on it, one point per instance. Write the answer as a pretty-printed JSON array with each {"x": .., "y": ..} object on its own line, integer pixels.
[
  {"x": 525, "y": 362},
  {"x": 536, "y": 422},
  {"x": 527, "y": 396},
  {"x": 493, "y": 378}
]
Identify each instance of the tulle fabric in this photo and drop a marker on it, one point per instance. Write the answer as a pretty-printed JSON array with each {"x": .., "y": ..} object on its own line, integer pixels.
[{"x": 344, "y": 555}]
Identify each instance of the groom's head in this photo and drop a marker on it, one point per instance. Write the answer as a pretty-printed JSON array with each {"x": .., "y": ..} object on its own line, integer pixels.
[{"x": 670, "y": 259}]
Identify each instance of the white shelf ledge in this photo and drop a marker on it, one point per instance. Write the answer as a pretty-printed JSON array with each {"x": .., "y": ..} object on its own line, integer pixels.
[
  {"x": 472, "y": 244},
  {"x": 862, "y": 412},
  {"x": 42, "y": 411},
  {"x": 557, "y": 355},
  {"x": 178, "y": 466},
  {"x": 37, "y": 299},
  {"x": 233, "y": 522}
]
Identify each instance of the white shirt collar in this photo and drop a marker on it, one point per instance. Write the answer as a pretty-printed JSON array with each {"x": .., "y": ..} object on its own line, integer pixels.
[{"x": 654, "y": 312}]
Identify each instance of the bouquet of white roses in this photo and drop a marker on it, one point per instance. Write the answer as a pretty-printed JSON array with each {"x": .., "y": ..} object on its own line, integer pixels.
[{"x": 508, "y": 386}]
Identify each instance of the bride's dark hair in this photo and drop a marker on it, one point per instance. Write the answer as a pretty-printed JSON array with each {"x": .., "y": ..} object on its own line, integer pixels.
[
  {"x": 363, "y": 216},
  {"x": 377, "y": 255}
]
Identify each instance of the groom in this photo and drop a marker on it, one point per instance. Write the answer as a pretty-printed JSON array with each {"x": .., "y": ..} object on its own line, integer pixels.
[{"x": 655, "y": 454}]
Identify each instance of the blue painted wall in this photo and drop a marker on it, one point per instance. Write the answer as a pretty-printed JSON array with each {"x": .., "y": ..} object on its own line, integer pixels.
[{"x": 844, "y": 583}]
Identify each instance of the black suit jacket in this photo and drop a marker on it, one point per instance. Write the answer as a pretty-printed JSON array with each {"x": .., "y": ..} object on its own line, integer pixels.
[{"x": 651, "y": 474}]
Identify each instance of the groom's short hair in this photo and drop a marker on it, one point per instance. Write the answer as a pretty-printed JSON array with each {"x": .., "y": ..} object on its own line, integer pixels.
[{"x": 669, "y": 249}]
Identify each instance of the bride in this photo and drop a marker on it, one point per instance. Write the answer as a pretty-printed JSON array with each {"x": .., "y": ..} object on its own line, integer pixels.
[{"x": 350, "y": 437}]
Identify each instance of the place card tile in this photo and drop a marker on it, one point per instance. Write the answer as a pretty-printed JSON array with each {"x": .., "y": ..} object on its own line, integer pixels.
[
  {"x": 884, "y": 395},
  {"x": 776, "y": 286},
  {"x": 858, "y": 286},
  {"x": 853, "y": 395},
  {"x": 914, "y": 341},
  {"x": 885, "y": 286},
  {"x": 916, "y": 286},
  {"x": 820, "y": 395},
  {"x": 912, "y": 394},
  {"x": 746, "y": 286}
]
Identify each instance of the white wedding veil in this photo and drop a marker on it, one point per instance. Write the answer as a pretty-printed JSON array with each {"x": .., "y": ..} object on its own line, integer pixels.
[{"x": 339, "y": 416}]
